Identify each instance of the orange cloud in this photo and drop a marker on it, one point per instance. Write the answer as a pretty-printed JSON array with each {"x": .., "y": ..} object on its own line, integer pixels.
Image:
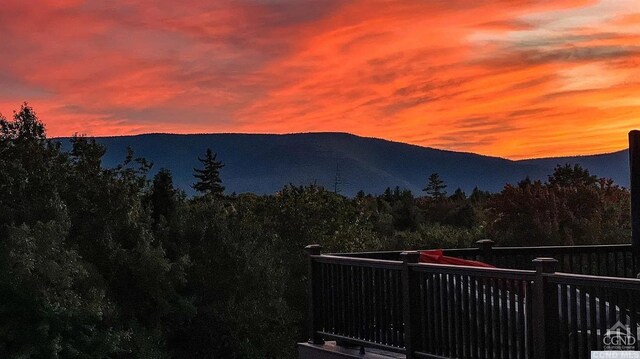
[{"x": 515, "y": 79}]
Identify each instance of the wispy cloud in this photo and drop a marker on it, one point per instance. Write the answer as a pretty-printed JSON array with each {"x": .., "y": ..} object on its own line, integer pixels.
[{"x": 508, "y": 78}]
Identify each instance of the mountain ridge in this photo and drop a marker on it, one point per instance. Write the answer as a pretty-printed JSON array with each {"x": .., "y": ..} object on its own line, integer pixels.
[{"x": 264, "y": 163}]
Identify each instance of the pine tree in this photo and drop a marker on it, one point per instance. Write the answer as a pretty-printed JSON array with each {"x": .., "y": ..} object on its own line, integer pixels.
[
  {"x": 459, "y": 195},
  {"x": 435, "y": 187},
  {"x": 388, "y": 195},
  {"x": 163, "y": 195},
  {"x": 478, "y": 195},
  {"x": 209, "y": 182}
]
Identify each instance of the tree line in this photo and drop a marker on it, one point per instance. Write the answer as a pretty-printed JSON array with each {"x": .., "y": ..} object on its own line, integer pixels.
[{"x": 102, "y": 262}]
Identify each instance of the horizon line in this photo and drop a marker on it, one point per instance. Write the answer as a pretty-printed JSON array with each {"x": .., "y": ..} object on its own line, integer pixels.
[{"x": 337, "y": 133}]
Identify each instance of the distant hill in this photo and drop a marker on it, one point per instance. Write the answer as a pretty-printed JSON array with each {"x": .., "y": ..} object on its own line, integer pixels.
[
  {"x": 265, "y": 163},
  {"x": 613, "y": 165}
]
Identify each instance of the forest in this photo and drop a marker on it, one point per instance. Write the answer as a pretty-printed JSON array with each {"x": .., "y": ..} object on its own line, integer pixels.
[{"x": 100, "y": 262}]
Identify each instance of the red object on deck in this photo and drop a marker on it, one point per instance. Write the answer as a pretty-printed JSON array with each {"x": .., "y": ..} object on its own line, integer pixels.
[{"x": 436, "y": 256}]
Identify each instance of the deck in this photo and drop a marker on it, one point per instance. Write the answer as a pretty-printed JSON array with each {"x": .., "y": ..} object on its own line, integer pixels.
[{"x": 540, "y": 302}]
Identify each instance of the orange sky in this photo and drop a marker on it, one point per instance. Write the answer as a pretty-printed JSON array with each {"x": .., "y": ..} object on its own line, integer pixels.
[{"x": 511, "y": 78}]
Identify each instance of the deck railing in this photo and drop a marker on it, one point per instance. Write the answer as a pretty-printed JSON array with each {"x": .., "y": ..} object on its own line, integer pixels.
[
  {"x": 442, "y": 311},
  {"x": 360, "y": 300},
  {"x": 464, "y": 312},
  {"x": 588, "y": 307},
  {"x": 614, "y": 260}
]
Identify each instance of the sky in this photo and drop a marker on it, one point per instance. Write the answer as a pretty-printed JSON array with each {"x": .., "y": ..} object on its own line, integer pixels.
[{"x": 510, "y": 78}]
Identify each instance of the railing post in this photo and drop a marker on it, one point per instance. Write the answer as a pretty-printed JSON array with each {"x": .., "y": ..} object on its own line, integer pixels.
[
  {"x": 486, "y": 250},
  {"x": 410, "y": 302},
  {"x": 545, "y": 310},
  {"x": 314, "y": 290},
  {"x": 634, "y": 169}
]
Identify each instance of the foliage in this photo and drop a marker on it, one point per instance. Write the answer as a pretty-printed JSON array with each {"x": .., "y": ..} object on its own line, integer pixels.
[
  {"x": 573, "y": 207},
  {"x": 209, "y": 181},
  {"x": 435, "y": 186},
  {"x": 104, "y": 262}
]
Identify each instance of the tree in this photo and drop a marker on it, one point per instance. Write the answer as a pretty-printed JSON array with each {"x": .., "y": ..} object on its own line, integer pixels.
[
  {"x": 29, "y": 164},
  {"x": 571, "y": 208},
  {"x": 435, "y": 187},
  {"x": 163, "y": 195},
  {"x": 51, "y": 306},
  {"x": 25, "y": 127},
  {"x": 53, "y": 303},
  {"x": 209, "y": 182},
  {"x": 568, "y": 176},
  {"x": 458, "y": 195},
  {"x": 478, "y": 195},
  {"x": 388, "y": 195}
]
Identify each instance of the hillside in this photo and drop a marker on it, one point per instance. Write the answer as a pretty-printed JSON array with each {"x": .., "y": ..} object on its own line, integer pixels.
[{"x": 264, "y": 163}]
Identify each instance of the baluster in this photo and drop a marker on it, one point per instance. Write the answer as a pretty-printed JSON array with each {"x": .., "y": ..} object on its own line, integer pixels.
[
  {"x": 513, "y": 354},
  {"x": 482, "y": 323},
  {"x": 564, "y": 321},
  {"x": 573, "y": 300},
  {"x": 458, "y": 310},
  {"x": 473, "y": 309},
  {"x": 439, "y": 329},
  {"x": 465, "y": 322},
  {"x": 593, "y": 338},
  {"x": 450, "y": 314},
  {"x": 504, "y": 322},
  {"x": 584, "y": 314},
  {"x": 520, "y": 320}
]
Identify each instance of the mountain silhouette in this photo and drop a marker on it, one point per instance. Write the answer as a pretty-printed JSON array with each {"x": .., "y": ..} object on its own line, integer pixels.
[{"x": 264, "y": 163}]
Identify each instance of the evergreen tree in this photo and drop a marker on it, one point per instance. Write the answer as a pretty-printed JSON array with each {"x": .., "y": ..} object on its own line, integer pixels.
[
  {"x": 478, "y": 195},
  {"x": 209, "y": 182},
  {"x": 388, "y": 195},
  {"x": 396, "y": 193},
  {"x": 525, "y": 183},
  {"x": 458, "y": 195},
  {"x": 435, "y": 187},
  {"x": 163, "y": 195}
]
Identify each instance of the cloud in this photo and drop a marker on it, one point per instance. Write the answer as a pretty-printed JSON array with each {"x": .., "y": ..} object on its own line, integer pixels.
[{"x": 507, "y": 78}]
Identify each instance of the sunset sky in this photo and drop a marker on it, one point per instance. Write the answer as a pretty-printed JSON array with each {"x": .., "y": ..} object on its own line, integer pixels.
[{"x": 510, "y": 78}]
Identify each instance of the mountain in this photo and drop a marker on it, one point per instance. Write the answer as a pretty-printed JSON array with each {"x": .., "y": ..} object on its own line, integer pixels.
[
  {"x": 613, "y": 165},
  {"x": 265, "y": 163}
]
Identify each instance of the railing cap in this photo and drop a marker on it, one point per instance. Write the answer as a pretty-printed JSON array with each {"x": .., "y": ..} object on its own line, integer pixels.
[
  {"x": 545, "y": 265},
  {"x": 313, "y": 249},
  {"x": 410, "y": 256}
]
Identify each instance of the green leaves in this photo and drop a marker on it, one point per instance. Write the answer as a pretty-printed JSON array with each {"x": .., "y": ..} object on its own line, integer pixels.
[{"x": 49, "y": 309}]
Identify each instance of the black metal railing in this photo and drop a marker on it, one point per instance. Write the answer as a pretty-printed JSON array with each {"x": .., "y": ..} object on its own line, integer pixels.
[
  {"x": 467, "y": 312},
  {"x": 614, "y": 260},
  {"x": 443, "y": 311},
  {"x": 587, "y": 307},
  {"x": 360, "y": 300}
]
